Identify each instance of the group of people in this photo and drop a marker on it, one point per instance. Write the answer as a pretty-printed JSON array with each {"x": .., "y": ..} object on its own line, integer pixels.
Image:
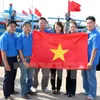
[{"x": 18, "y": 49}]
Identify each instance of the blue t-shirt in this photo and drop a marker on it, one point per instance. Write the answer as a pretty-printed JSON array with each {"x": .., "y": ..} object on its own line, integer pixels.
[
  {"x": 93, "y": 43},
  {"x": 48, "y": 30},
  {"x": 8, "y": 44},
  {"x": 24, "y": 44}
]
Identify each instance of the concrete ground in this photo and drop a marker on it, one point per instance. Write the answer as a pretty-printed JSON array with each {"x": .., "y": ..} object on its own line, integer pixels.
[{"x": 50, "y": 96}]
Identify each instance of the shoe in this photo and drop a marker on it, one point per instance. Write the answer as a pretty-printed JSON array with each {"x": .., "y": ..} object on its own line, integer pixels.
[
  {"x": 15, "y": 92},
  {"x": 46, "y": 90},
  {"x": 83, "y": 93},
  {"x": 33, "y": 89},
  {"x": 54, "y": 92},
  {"x": 32, "y": 93},
  {"x": 9, "y": 98},
  {"x": 67, "y": 93},
  {"x": 58, "y": 92},
  {"x": 25, "y": 97},
  {"x": 89, "y": 98},
  {"x": 70, "y": 95}
]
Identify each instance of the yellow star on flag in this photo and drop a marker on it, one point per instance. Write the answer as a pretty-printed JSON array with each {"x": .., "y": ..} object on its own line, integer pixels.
[{"x": 59, "y": 52}]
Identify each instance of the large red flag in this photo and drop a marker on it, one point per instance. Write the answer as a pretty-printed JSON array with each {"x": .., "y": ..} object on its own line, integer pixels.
[
  {"x": 24, "y": 12},
  {"x": 73, "y": 6},
  {"x": 37, "y": 12},
  {"x": 67, "y": 51}
]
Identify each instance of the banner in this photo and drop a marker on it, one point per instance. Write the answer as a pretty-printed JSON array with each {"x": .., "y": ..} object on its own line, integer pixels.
[{"x": 62, "y": 51}]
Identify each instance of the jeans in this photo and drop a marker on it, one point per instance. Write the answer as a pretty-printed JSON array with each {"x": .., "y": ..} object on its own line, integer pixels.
[
  {"x": 90, "y": 81},
  {"x": 26, "y": 80}
]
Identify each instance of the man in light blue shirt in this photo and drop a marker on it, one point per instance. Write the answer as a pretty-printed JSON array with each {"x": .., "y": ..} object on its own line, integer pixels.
[
  {"x": 24, "y": 47},
  {"x": 89, "y": 76},
  {"x": 9, "y": 55}
]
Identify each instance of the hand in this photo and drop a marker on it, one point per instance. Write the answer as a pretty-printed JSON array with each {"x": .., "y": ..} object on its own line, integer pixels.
[
  {"x": 7, "y": 67},
  {"x": 89, "y": 65},
  {"x": 26, "y": 64},
  {"x": 18, "y": 58}
]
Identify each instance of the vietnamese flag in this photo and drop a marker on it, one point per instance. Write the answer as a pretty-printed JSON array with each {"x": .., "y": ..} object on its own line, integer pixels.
[
  {"x": 63, "y": 51},
  {"x": 73, "y": 6},
  {"x": 24, "y": 13},
  {"x": 30, "y": 11},
  {"x": 37, "y": 12},
  {"x": 76, "y": 4}
]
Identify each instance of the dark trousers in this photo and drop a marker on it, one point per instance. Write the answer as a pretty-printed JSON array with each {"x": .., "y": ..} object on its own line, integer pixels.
[
  {"x": 9, "y": 77},
  {"x": 53, "y": 78},
  {"x": 71, "y": 81},
  {"x": 98, "y": 66}
]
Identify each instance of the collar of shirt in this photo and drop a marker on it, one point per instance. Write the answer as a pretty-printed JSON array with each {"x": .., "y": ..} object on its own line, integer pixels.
[
  {"x": 24, "y": 35},
  {"x": 93, "y": 31},
  {"x": 9, "y": 35},
  {"x": 46, "y": 30}
]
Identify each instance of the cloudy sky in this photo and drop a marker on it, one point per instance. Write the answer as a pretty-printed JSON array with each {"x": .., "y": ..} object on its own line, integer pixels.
[{"x": 55, "y": 8}]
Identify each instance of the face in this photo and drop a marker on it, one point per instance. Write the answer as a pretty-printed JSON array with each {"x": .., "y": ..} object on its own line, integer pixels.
[
  {"x": 57, "y": 28},
  {"x": 11, "y": 28},
  {"x": 90, "y": 25},
  {"x": 73, "y": 28},
  {"x": 27, "y": 28},
  {"x": 42, "y": 24}
]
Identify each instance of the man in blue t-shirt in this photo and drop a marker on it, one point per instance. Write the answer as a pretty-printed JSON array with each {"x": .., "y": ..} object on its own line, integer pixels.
[
  {"x": 9, "y": 56},
  {"x": 24, "y": 46},
  {"x": 45, "y": 71},
  {"x": 89, "y": 76}
]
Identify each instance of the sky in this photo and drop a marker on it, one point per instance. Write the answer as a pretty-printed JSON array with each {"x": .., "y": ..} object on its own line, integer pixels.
[{"x": 55, "y": 8}]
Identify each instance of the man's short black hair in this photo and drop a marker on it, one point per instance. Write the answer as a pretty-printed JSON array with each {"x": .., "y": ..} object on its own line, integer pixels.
[
  {"x": 42, "y": 18},
  {"x": 11, "y": 22},
  {"x": 91, "y": 18}
]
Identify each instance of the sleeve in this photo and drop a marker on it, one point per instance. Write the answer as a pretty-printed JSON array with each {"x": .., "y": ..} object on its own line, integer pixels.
[
  {"x": 19, "y": 43},
  {"x": 3, "y": 44},
  {"x": 95, "y": 42}
]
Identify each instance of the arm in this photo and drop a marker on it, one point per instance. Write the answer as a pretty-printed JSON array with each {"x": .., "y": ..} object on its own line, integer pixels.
[
  {"x": 19, "y": 47},
  {"x": 21, "y": 56},
  {"x": 94, "y": 51},
  {"x": 3, "y": 47},
  {"x": 95, "y": 47},
  {"x": 93, "y": 55},
  {"x": 4, "y": 57},
  {"x": 23, "y": 59}
]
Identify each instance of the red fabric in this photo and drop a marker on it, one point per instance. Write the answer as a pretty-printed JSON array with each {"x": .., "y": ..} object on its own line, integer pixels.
[
  {"x": 73, "y": 6},
  {"x": 24, "y": 12},
  {"x": 30, "y": 11},
  {"x": 37, "y": 12},
  {"x": 75, "y": 58},
  {"x": 76, "y": 4},
  {"x": 3, "y": 23}
]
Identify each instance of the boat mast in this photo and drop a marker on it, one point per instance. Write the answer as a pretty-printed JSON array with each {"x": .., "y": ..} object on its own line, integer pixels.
[
  {"x": 3, "y": 5},
  {"x": 32, "y": 17}
]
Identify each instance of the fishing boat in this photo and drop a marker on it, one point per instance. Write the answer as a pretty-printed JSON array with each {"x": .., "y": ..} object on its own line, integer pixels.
[{"x": 11, "y": 14}]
